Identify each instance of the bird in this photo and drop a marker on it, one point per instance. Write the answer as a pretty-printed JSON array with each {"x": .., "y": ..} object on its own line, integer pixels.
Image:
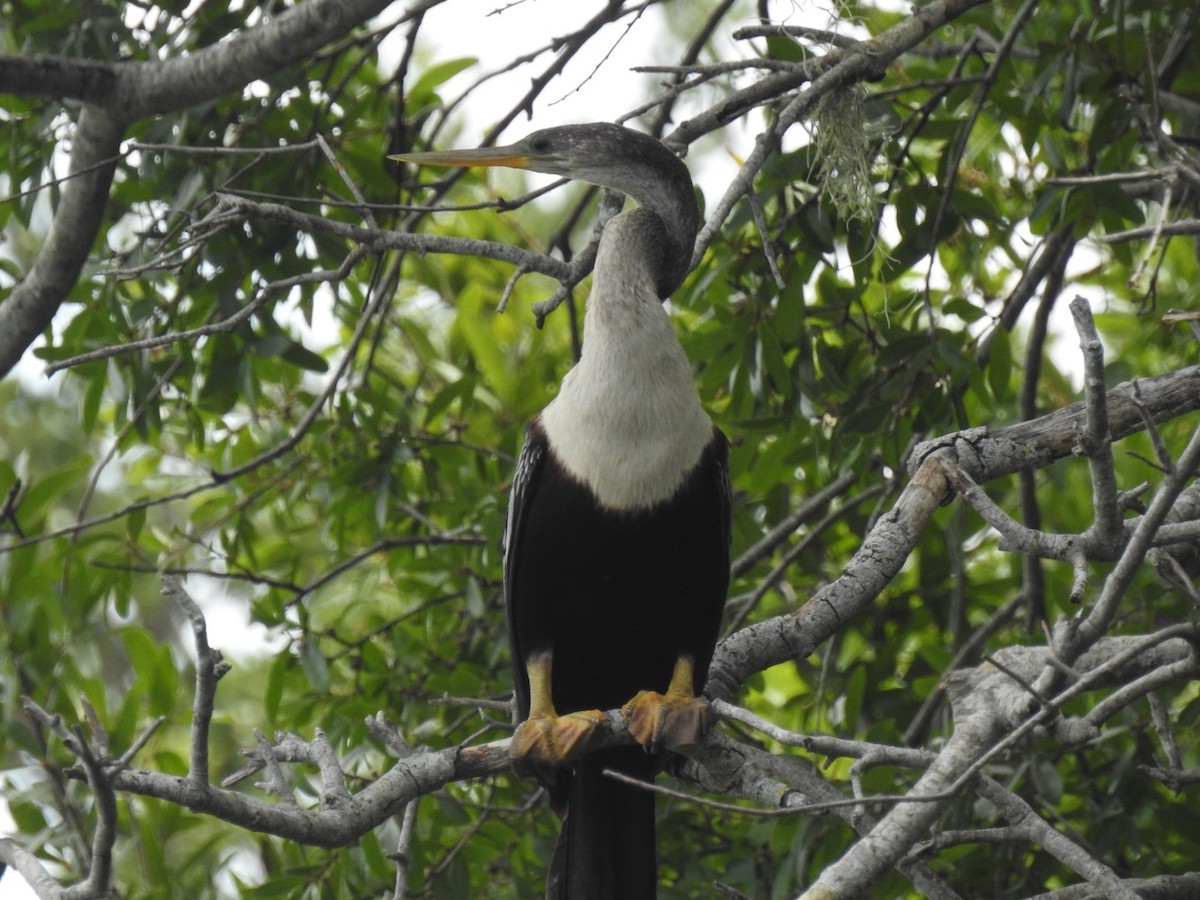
[{"x": 617, "y": 543}]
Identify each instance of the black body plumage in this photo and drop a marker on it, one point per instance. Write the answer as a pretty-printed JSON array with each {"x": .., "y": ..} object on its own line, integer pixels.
[{"x": 617, "y": 595}]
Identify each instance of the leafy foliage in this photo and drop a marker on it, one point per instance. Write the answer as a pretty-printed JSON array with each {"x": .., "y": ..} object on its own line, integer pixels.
[{"x": 330, "y": 471}]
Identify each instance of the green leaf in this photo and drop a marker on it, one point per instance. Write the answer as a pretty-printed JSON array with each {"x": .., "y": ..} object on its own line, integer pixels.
[
  {"x": 1000, "y": 364},
  {"x": 134, "y": 522},
  {"x": 299, "y": 355},
  {"x": 276, "y": 676},
  {"x": 50, "y": 488},
  {"x": 223, "y": 378},
  {"x": 314, "y": 665},
  {"x": 435, "y": 76},
  {"x": 917, "y": 241},
  {"x": 27, "y": 816}
]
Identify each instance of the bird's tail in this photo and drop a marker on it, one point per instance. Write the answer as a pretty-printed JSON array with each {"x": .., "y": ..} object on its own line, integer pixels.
[{"x": 606, "y": 848}]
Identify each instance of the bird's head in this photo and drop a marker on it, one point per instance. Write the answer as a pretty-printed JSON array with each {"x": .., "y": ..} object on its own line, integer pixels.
[
  {"x": 607, "y": 155},
  {"x": 598, "y": 152}
]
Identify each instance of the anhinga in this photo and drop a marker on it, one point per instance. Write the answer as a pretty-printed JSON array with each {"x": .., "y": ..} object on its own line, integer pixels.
[{"x": 617, "y": 545}]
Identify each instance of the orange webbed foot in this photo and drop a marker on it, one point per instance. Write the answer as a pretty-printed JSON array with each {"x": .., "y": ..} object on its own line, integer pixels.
[
  {"x": 668, "y": 721},
  {"x": 545, "y": 742}
]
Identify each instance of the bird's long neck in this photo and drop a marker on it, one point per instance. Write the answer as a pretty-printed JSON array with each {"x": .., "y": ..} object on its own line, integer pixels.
[
  {"x": 627, "y": 421},
  {"x": 661, "y": 185},
  {"x": 671, "y": 198}
]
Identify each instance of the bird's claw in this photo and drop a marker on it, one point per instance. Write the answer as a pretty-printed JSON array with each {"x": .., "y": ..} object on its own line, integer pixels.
[
  {"x": 542, "y": 743},
  {"x": 668, "y": 721}
]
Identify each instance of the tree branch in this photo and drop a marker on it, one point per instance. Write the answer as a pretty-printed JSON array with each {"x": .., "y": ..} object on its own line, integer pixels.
[
  {"x": 985, "y": 455},
  {"x": 210, "y": 668},
  {"x": 35, "y": 298},
  {"x": 120, "y": 93}
]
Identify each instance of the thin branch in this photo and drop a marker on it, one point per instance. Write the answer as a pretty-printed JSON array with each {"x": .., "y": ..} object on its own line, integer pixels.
[
  {"x": 1168, "y": 229},
  {"x": 1162, "y": 725},
  {"x": 1038, "y": 831},
  {"x": 210, "y": 668},
  {"x": 792, "y": 808},
  {"x": 99, "y": 877},
  {"x": 1141, "y": 687},
  {"x": 809, "y": 509},
  {"x": 1082, "y": 633},
  {"x": 1154, "y": 173},
  {"x": 383, "y": 544},
  {"x": 824, "y": 745},
  {"x": 773, "y": 578},
  {"x": 359, "y": 200},
  {"x": 228, "y": 325},
  {"x": 760, "y": 222},
  {"x": 402, "y": 855},
  {"x": 1175, "y": 779},
  {"x": 1096, "y": 439}
]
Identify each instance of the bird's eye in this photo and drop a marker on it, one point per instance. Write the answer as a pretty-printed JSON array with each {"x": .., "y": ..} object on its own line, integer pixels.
[{"x": 539, "y": 144}]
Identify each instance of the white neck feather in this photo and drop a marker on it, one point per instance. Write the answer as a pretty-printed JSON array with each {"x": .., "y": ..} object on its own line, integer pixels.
[{"x": 627, "y": 421}]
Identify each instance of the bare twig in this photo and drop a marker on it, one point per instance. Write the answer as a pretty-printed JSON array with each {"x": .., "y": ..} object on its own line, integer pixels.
[
  {"x": 99, "y": 877},
  {"x": 402, "y": 855},
  {"x": 210, "y": 668},
  {"x": 224, "y": 326},
  {"x": 1096, "y": 440},
  {"x": 1143, "y": 687}
]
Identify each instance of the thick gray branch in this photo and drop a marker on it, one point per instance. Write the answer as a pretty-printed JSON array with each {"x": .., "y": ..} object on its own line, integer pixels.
[
  {"x": 986, "y": 455},
  {"x": 1038, "y": 442},
  {"x": 30, "y": 868},
  {"x": 990, "y": 706},
  {"x": 36, "y": 298},
  {"x": 133, "y": 90},
  {"x": 293, "y": 36},
  {"x": 58, "y": 78},
  {"x": 796, "y": 635},
  {"x": 119, "y": 93}
]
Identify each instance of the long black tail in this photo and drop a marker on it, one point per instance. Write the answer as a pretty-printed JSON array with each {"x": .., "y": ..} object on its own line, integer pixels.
[{"x": 606, "y": 848}]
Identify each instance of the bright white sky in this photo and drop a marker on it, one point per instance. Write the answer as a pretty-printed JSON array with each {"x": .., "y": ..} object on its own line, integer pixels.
[{"x": 592, "y": 87}]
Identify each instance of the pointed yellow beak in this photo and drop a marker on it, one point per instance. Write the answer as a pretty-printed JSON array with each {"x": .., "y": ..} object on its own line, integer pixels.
[{"x": 512, "y": 156}]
